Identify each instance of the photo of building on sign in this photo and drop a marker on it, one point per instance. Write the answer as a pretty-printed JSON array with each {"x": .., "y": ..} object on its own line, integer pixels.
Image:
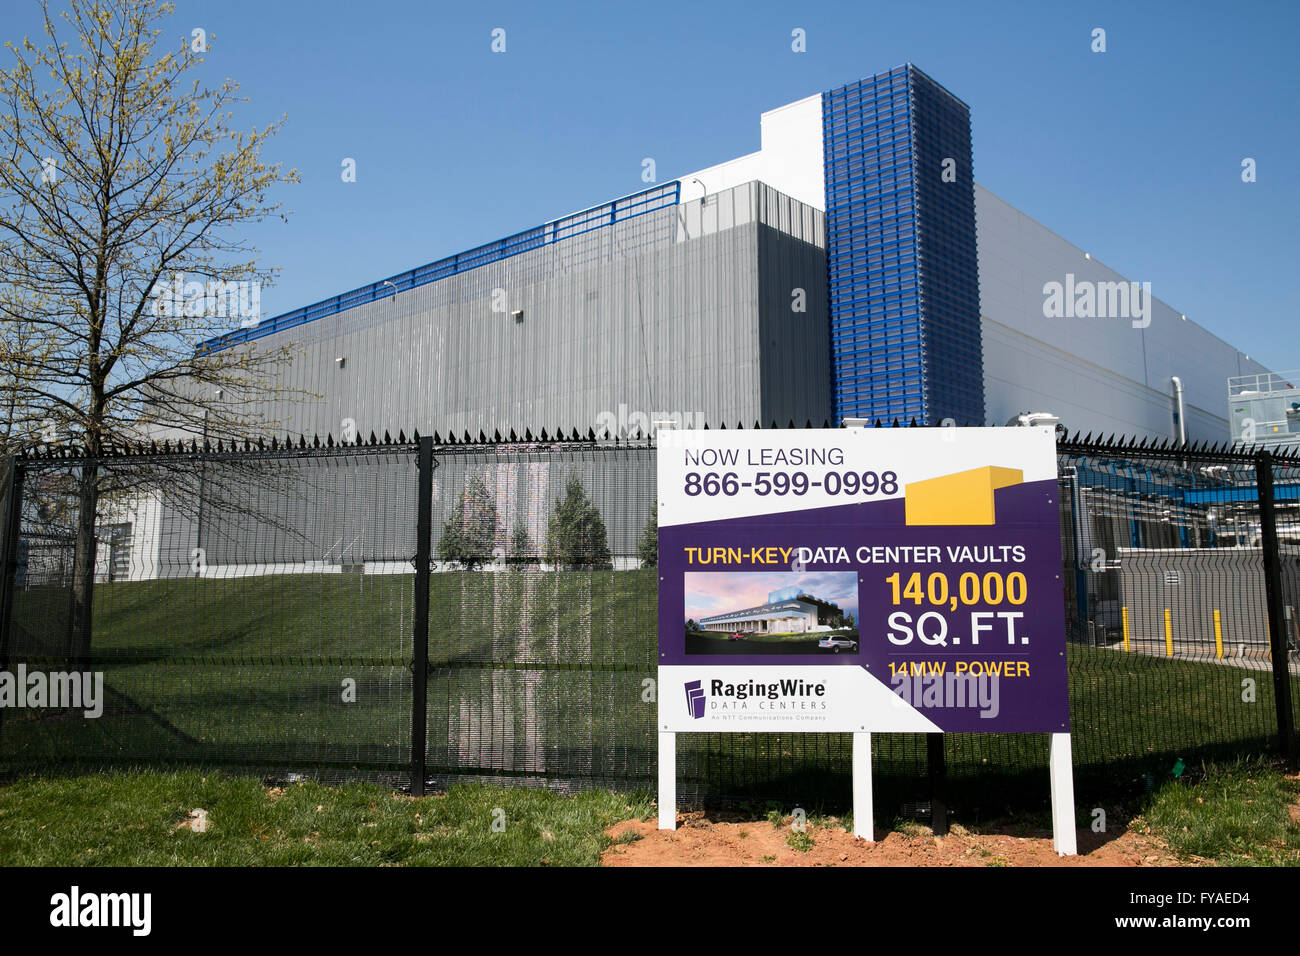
[{"x": 749, "y": 612}]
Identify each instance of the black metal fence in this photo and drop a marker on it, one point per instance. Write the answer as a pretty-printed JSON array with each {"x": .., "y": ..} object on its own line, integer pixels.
[{"x": 425, "y": 613}]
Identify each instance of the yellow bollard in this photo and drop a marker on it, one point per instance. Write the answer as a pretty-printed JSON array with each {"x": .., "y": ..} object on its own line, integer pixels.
[
  {"x": 1218, "y": 635},
  {"x": 1124, "y": 613},
  {"x": 1169, "y": 634}
]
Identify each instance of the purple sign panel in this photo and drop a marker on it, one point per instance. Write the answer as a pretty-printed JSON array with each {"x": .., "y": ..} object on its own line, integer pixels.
[{"x": 936, "y": 601}]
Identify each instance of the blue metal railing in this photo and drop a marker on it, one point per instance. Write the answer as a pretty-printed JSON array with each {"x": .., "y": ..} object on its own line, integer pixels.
[{"x": 557, "y": 230}]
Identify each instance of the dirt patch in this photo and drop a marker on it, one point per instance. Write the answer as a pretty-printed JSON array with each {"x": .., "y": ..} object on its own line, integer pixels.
[{"x": 699, "y": 841}]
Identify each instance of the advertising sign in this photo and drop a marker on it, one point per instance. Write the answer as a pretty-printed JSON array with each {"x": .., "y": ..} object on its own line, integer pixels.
[{"x": 860, "y": 579}]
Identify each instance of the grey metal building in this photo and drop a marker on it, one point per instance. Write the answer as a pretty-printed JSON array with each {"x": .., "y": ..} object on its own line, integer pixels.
[
  {"x": 798, "y": 283},
  {"x": 707, "y": 311}
]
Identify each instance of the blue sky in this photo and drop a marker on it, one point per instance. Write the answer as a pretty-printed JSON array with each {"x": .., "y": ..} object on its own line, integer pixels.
[{"x": 1133, "y": 154}]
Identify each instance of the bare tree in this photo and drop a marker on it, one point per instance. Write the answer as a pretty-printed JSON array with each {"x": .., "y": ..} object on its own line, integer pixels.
[{"x": 124, "y": 189}]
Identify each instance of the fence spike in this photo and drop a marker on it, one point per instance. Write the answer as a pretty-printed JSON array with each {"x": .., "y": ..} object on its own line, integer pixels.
[
  {"x": 329, "y": 439},
  {"x": 528, "y": 434},
  {"x": 913, "y": 425}
]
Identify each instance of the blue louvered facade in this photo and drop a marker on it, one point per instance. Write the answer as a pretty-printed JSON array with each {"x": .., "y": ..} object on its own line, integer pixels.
[{"x": 902, "y": 273}]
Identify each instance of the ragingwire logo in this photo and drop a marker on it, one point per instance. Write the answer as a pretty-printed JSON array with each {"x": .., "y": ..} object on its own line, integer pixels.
[{"x": 695, "y": 699}]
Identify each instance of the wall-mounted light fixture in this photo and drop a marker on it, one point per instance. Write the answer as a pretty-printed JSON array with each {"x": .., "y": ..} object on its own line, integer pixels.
[
  {"x": 518, "y": 314},
  {"x": 340, "y": 361},
  {"x": 390, "y": 284}
]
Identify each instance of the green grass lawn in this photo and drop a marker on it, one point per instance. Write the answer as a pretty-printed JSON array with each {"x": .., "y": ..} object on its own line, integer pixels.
[
  {"x": 1231, "y": 815},
  {"x": 139, "y": 820},
  {"x": 535, "y": 675},
  {"x": 1238, "y": 815}
]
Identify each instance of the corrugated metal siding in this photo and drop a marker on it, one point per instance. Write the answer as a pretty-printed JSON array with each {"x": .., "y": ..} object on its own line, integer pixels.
[
  {"x": 660, "y": 314},
  {"x": 795, "y": 346}
]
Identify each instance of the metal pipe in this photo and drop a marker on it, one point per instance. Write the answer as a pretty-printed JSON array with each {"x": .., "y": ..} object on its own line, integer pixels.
[{"x": 1180, "y": 425}]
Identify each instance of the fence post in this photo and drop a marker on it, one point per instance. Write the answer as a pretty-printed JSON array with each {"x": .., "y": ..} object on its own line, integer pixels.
[
  {"x": 934, "y": 759},
  {"x": 420, "y": 633},
  {"x": 10, "y": 529},
  {"x": 1273, "y": 595}
]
